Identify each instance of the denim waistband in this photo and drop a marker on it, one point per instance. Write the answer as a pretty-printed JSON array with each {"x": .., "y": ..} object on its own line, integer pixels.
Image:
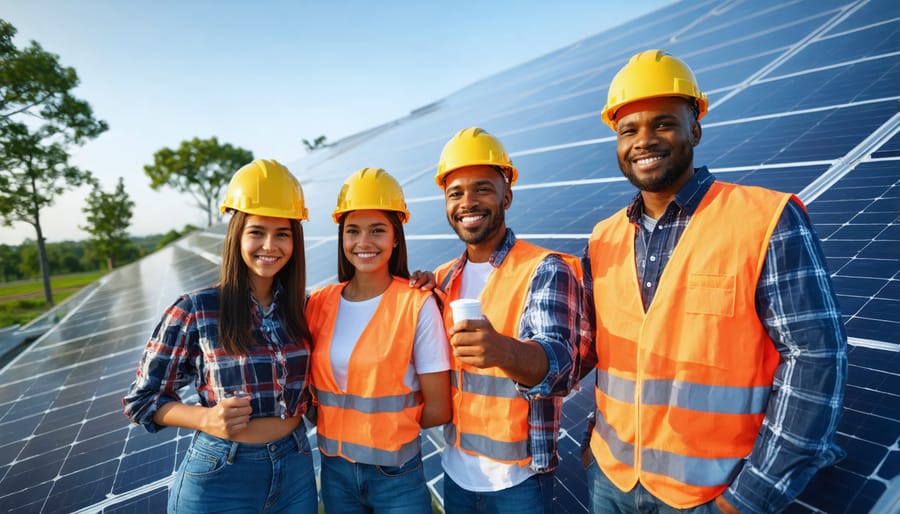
[{"x": 293, "y": 442}]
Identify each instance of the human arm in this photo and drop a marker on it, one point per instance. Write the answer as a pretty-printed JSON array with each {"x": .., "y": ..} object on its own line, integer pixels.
[
  {"x": 431, "y": 360},
  {"x": 476, "y": 343},
  {"x": 169, "y": 363},
  {"x": 166, "y": 365},
  {"x": 541, "y": 360},
  {"x": 226, "y": 419},
  {"x": 587, "y": 351},
  {"x": 796, "y": 303},
  {"x": 436, "y": 398}
]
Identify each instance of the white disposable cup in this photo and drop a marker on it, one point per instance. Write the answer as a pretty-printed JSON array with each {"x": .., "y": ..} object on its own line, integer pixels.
[{"x": 465, "y": 308}]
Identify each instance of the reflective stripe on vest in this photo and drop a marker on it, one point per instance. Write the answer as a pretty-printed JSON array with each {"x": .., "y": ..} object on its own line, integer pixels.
[
  {"x": 499, "y": 450},
  {"x": 490, "y": 416},
  {"x": 376, "y": 420},
  {"x": 368, "y": 405},
  {"x": 484, "y": 384},
  {"x": 688, "y": 470},
  {"x": 687, "y": 395},
  {"x": 681, "y": 389}
]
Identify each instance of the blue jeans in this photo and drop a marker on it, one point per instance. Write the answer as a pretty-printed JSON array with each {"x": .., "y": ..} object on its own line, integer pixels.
[
  {"x": 218, "y": 475},
  {"x": 606, "y": 498},
  {"x": 533, "y": 496},
  {"x": 353, "y": 487}
]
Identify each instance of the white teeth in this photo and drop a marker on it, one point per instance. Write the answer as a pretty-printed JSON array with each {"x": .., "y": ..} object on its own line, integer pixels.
[
  {"x": 365, "y": 255},
  {"x": 648, "y": 160},
  {"x": 267, "y": 258},
  {"x": 470, "y": 219}
]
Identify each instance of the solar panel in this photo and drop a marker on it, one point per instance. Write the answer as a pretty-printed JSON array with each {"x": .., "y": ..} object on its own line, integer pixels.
[{"x": 804, "y": 98}]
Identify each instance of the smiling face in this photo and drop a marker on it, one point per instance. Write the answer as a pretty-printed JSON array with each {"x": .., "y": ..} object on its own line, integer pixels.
[
  {"x": 655, "y": 143},
  {"x": 476, "y": 199},
  {"x": 266, "y": 246},
  {"x": 368, "y": 240}
]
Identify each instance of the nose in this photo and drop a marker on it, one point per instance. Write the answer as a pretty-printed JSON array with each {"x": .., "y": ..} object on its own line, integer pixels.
[
  {"x": 646, "y": 138},
  {"x": 468, "y": 199}
]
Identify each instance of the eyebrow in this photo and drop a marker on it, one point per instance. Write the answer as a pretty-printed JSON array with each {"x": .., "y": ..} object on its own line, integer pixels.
[
  {"x": 657, "y": 118},
  {"x": 247, "y": 227},
  {"x": 476, "y": 183},
  {"x": 376, "y": 224}
]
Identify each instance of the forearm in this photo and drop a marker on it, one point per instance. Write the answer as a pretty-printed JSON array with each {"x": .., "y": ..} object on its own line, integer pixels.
[
  {"x": 527, "y": 363},
  {"x": 177, "y": 414},
  {"x": 554, "y": 324}
]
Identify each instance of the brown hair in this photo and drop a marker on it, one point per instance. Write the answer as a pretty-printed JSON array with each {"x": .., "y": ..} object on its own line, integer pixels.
[
  {"x": 235, "y": 323},
  {"x": 397, "y": 265}
]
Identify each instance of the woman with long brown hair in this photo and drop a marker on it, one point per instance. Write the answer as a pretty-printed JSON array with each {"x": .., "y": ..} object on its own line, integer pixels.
[
  {"x": 244, "y": 344},
  {"x": 380, "y": 359}
]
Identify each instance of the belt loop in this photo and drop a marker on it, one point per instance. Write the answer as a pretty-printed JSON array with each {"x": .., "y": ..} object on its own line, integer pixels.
[{"x": 233, "y": 450}]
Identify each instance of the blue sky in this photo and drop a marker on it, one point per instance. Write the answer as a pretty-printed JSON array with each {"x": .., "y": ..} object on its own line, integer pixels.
[{"x": 264, "y": 75}]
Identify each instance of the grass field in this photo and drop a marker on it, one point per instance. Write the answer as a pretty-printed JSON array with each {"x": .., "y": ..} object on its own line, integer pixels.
[{"x": 23, "y": 300}]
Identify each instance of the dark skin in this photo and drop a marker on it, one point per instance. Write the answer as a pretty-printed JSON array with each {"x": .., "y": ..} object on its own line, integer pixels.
[
  {"x": 655, "y": 139},
  {"x": 476, "y": 199}
]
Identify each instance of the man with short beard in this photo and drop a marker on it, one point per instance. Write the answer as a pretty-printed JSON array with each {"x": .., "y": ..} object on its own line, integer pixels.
[
  {"x": 719, "y": 350},
  {"x": 511, "y": 368}
]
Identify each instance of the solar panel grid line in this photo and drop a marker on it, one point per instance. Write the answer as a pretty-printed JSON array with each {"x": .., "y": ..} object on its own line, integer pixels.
[
  {"x": 846, "y": 164},
  {"x": 792, "y": 51},
  {"x": 869, "y": 26},
  {"x": 811, "y": 110},
  {"x": 833, "y": 66}
]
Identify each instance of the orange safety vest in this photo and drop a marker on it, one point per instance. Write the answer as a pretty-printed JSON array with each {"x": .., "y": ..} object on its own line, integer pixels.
[
  {"x": 490, "y": 416},
  {"x": 682, "y": 389},
  {"x": 376, "y": 420}
]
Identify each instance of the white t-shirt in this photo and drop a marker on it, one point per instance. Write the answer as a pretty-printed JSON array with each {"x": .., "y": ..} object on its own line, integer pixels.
[
  {"x": 474, "y": 472},
  {"x": 431, "y": 351}
]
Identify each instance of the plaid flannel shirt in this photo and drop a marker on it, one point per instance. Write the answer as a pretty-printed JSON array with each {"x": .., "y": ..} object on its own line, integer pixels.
[
  {"x": 184, "y": 350},
  {"x": 796, "y": 304},
  {"x": 553, "y": 317}
]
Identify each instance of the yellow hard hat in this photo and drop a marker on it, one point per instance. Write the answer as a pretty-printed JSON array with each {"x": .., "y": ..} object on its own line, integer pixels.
[
  {"x": 265, "y": 188},
  {"x": 650, "y": 74},
  {"x": 471, "y": 147},
  {"x": 371, "y": 188}
]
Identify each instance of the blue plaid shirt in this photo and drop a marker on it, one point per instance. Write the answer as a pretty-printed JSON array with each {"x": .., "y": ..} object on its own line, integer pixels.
[
  {"x": 796, "y": 303},
  {"x": 184, "y": 350},
  {"x": 554, "y": 310}
]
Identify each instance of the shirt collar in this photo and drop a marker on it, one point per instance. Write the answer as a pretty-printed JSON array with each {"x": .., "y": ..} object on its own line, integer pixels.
[
  {"x": 277, "y": 291},
  {"x": 688, "y": 197},
  {"x": 499, "y": 254}
]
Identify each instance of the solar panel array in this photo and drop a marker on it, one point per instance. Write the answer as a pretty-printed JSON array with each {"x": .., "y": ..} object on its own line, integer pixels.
[{"x": 804, "y": 98}]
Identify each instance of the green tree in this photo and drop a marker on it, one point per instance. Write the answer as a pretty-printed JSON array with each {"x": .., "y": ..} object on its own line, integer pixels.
[
  {"x": 199, "y": 167},
  {"x": 108, "y": 218},
  {"x": 172, "y": 235},
  {"x": 39, "y": 120},
  {"x": 315, "y": 144},
  {"x": 9, "y": 263}
]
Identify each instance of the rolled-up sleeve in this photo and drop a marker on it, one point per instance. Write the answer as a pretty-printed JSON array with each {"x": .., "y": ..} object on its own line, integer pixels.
[
  {"x": 553, "y": 318},
  {"x": 167, "y": 365}
]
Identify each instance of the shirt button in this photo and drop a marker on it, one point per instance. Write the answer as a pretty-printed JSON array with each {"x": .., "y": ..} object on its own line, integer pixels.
[
  {"x": 660, "y": 227},
  {"x": 649, "y": 284},
  {"x": 652, "y": 258}
]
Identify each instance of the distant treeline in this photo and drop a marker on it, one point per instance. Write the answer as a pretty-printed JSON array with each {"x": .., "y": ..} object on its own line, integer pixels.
[{"x": 21, "y": 262}]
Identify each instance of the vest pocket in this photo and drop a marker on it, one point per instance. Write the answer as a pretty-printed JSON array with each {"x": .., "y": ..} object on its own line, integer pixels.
[{"x": 710, "y": 294}]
